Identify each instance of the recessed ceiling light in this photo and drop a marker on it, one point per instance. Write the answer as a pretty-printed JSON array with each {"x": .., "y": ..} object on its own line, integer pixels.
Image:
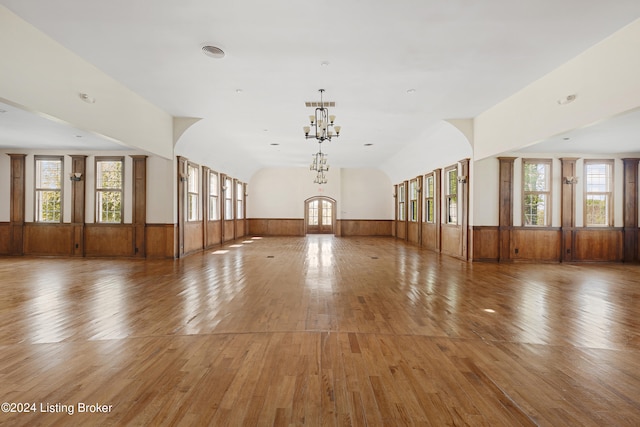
[
  {"x": 238, "y": 90},
  {"x": 274, "y": 143},
  {"x": 567, "y": 99},
  {"x": 78, "y": 136},
  {"x": 566, "y": 138},
  {"x": 2, "y": 111},
  {"x": 212, "y": 51},
  {"x": 368, "y": 144},
  {"x": 411, "y": 91},
  {"x": 325, "y": 63},
  {"x": 87, "y": 98}
]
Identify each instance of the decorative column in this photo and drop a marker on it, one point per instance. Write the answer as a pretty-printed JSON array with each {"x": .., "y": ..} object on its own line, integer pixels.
[
  {"x": 17, "y": 204},
  {"x": 630, "y": 210},
  {"x": 78, "y": 188},
  {"x": 568, "y": 207},
  {"x": 463, "y": 195},
  {"x": 182, "y": 182},
  {"x": 505, "y": 208},
  {"x": 139, "y": 205},
  {"x": 437, "y": 208}
]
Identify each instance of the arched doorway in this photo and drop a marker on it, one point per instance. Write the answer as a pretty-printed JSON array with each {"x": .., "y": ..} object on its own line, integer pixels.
[{"x": 319, "y": 215}]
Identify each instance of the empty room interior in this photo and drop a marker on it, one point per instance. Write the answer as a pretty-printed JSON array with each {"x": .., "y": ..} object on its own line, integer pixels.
[{"x": 333, "y": 213}]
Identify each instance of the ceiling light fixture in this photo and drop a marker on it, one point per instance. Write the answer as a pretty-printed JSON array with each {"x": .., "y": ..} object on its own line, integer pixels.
[
  {"x": 567, "y": 99},
  {"x": 322, "y": 124},
  {"x": 213, "y": 52},
  {"x": 87, "y": 98}
]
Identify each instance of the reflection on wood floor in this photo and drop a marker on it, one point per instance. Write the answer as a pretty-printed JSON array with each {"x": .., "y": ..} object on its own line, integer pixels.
[{"x": 319, "y": 331}]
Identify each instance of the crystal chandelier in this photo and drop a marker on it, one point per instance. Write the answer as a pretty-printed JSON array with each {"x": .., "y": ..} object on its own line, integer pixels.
[{"x": 321, "y": 124}]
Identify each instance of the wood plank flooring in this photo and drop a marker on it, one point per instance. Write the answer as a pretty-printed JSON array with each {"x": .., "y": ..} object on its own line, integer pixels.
[{"x": 318, "y": 331}]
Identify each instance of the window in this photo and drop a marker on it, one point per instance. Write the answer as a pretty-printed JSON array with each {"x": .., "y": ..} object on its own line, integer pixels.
[
  {"x": 48, "y": 189},
  {"x": 214, "y": 212},
  {"x": 598, "y": 193},
  {"x": 429, "y": 199},
  {"x": 239, "y": 200},
  {"x": 413, "y": 200},
  {"x": 452, "y": 195},
  {"x": 109, "y": 184},
  {"x": 192, "y": 192},
  {"x": 228, "y": 199},
  {"x": 536, "y": 191},
  {"x": 401, "y": 202}
]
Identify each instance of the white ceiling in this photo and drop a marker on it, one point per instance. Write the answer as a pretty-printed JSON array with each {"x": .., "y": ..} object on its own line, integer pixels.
[{"x": 460, "y": 57}]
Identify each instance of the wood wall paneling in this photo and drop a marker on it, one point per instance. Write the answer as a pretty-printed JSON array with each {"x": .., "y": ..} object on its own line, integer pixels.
[
  {"x": 161, "y": 240},
  {"x": 430, "y": 232},
  {"x": 486, "y": 243},
  {"x": 360, "y": 227},
  {"x": 182, "y": 194},
  {"x": 102, "y": 240},
  {"x": 5, "y": 238},
  {"x": 463, "y": 197},
  {"x": 451, "y": 240},
  {"x": 568, "y": 208},
  {"x": 229, "y": 230},
  {"x": 193, "y": 236},
  {"x": 598, "y": 244},
  {"x": 276, "y": 227},
  {"x": 536, "y": 244},
  {"x": 413, "y": 232},
  {"x": 48, "y": 239}
]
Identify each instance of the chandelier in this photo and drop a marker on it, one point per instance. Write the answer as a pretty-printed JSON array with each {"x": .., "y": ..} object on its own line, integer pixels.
[
  {"x": 319, "y": 165},
  {"x": 321, "y": 124}
]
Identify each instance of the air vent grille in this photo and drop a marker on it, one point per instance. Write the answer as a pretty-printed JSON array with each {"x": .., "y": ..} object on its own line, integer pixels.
[{"x": 316, "y": 104}]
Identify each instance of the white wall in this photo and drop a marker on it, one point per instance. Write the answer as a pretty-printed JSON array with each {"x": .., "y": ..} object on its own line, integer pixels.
[
  {"x": 485, "y": 189},
  {"x": 5, "y": 187},
  {"x": 281, "y": 192}
]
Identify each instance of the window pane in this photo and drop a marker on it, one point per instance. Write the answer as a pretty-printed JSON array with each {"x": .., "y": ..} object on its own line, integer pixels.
[
  {"x": 193, "y": 207},
  {"x": 48, "y": 206},
  {"x": 535, "y": 207},
  {"x": 109, "y": 174},
  {"x": 213, "y": 184},
  {"x": 49, "y": 174},
  {"x": 313, "y": 213},
  {"x": 598, "y": 178},
  {"x": 430, "y": 210},
  {"x": 109, "y": 206},
  {"x": 452, "y": 210},
  {"x": 213, "y": 208},
  {"x": 596, "y": 209},
  {"x": 536, "y": 176},
  {"x": 326, "y": 213},
  {"x": 429, "y": 187},
  {"x": 452, "y": 182}
]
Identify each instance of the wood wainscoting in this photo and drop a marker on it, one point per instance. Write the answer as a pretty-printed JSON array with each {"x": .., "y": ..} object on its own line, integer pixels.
[
  {"x": 484, "y": 243},
  {"x": 49, "y": 239},
  {"x": 597, "y": 245},
  {"x": 108, "y": 240},
  {"x": 364, "y": 227},
  {"x": 5, "y": 238},
  {"x": 161, "y": 241},
  {"x": 452, "y": 240},
  {"x": 193, "y": 236},
  {"x": 276, "y": 226}
]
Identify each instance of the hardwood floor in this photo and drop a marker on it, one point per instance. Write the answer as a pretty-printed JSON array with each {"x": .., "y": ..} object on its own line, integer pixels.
[{"x": 318, "y": 331}]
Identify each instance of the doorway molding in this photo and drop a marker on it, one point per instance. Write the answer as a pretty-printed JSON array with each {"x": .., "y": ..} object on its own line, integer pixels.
[{"x": 320, "y": 199}]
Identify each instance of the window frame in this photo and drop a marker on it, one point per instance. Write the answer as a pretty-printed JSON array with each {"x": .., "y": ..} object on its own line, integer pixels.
[
  {"x": 609, "y": 195},
  {"x": 413, "y": 200},
  {"x": 193, "y": 192},
  {"x": 239, "y": 200},
  {"x": 60, "y": 190},
  {"x": 99, "y": 190},
  {"x": 548, "y": 193},
  {"x": 450, "y": 196},
  {"x": 401, "y": 202},
  {"x": 228, "y": 198},
  {"x": 429, "y": 198},
  {"x": 214, "y": 196}
]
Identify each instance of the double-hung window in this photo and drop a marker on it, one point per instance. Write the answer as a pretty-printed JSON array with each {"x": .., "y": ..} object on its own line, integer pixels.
[
  {"x": 109, "y": 189},
  {"x": 401, "y": 202},
  {"x": 192, "y": 192},
  {"x": 598, "y": 193},
  {"x": 48, "y": 189},
  {"x": 451, "y": 194},
  {"x": 228, "y": 198},
  {"x": 413, "y": 200},
  {"x": 239, "y": 200},
  {"x": 214, "y": 210},
  {"x": 429, "y": 199},
  {"x": 536, "y": 192}
]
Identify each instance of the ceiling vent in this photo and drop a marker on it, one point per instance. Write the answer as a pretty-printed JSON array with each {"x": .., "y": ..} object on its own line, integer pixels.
[{"x": 316, "y": 104}]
